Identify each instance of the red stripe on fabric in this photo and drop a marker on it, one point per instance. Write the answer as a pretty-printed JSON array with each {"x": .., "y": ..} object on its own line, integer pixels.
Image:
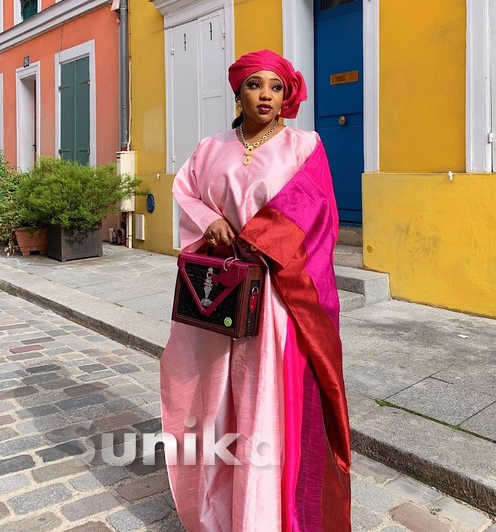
[
  {"x": 309, "y": 489},
  {"x": 317, "y": 336}
]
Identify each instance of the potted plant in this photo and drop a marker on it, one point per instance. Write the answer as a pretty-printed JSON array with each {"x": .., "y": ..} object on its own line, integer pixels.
[
  {"x": 72, "y": 199},
  {"x": 14, "y": 230}
]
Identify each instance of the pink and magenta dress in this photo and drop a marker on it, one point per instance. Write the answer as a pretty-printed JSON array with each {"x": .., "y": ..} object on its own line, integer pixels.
[{"x": 280, "y": 394}]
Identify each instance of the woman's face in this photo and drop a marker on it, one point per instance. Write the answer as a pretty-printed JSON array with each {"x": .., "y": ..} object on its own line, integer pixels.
[{"x": 261, "y": 94}]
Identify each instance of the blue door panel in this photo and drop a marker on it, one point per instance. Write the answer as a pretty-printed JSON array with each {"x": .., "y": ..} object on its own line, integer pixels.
[
  {"x": 339, "y": 146},
  {"x": 344, "y": 57},
  {"x": 339, "y": 107}
]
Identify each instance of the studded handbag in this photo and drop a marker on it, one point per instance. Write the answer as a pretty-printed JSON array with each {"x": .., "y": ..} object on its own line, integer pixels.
[{"x": 223, "y": 295}]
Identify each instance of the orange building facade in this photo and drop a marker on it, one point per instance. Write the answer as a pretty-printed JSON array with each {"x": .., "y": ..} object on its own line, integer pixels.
[{"x": 59, "y": 80}]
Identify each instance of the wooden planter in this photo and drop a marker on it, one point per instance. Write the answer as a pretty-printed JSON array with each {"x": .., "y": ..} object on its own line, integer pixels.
[
  {"x": 31, "y": 240},
  {"x": 70, "y": 244}
]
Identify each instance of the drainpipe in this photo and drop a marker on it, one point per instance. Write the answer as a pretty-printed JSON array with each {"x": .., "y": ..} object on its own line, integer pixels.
[
  {"x": 124, "y": 97},
  {"x": 124, "y": 74}
]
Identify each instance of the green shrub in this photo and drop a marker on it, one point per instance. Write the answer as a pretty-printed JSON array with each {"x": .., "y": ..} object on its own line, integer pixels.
[
  {"x": 9, "y": 207},
  {"x": 74, "y": 196}
]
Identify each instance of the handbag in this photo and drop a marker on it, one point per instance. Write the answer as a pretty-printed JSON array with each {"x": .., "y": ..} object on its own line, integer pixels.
[{"x": 222, "y": 295}]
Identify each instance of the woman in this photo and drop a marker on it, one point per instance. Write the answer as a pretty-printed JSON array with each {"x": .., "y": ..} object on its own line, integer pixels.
[{"x": 279, "y": 397}]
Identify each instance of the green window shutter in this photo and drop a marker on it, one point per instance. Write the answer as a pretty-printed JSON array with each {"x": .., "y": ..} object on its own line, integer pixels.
[
  {"x": 75, "y": 111},
  {"x": 83, "y": 110},
  {"x": 67, "y": 114}
]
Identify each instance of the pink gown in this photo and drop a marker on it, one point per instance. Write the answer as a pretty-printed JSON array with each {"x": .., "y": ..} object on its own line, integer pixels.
[{"x": 232, "y": 386}]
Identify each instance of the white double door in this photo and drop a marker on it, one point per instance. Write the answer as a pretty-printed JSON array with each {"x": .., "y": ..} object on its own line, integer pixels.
[{"x": 197, "y": 99}]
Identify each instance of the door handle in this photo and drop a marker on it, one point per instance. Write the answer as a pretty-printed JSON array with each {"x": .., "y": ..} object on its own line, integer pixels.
[{"x": 342, "y": 120}]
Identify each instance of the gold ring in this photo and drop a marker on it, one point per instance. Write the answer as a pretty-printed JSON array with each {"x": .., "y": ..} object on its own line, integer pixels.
[{"x": 212, "y": 240}]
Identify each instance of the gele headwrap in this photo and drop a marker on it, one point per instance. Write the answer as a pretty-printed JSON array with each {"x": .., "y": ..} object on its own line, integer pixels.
[{"x": 295, "y": 89}]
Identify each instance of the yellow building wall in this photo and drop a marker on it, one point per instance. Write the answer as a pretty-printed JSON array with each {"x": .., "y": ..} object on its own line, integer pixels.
[
  {"x": 422, "y": 85},
  {"x": 148, "y": 123},
  {"x": 434, "y": 236},
  {"x": 257, "y": 25}
]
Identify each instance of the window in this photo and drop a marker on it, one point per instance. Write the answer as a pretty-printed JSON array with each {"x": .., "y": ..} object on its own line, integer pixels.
[
  {"x": 28, "y": 8},
  {"x": 25, "y": 9},
  {"x": 75, "y": 108},
  {"x": 481, "y": 83}
]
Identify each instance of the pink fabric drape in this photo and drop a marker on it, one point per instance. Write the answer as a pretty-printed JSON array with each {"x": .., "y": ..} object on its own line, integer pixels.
[{"x": 254, "y": 386}]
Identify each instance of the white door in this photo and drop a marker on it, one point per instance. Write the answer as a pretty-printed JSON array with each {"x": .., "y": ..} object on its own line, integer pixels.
[
  {"x": 184, "y": 96},
  {"x": 213, "y": 74},
  {"x": 196, "y": 88},
  {"x": 196, "y": 93}
]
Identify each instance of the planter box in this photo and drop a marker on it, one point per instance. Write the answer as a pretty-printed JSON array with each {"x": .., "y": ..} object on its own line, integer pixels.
[
  {"x": 70, "y": 244},
  {"x": 30, "y": 240}
]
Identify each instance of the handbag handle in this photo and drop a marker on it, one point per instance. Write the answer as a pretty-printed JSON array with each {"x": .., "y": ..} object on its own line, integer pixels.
[{"x": 226, "y": 264}]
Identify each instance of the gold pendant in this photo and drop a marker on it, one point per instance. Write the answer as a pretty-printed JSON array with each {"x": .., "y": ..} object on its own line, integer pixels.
[{"x": 248, "y": 154}]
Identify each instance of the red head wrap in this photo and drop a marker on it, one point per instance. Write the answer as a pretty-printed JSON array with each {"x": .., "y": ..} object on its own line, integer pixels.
[{"x": 295, "y": 90}]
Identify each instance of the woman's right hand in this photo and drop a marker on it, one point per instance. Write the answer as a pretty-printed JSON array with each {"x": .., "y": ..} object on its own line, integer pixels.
[{"x": 219, "y": 232}]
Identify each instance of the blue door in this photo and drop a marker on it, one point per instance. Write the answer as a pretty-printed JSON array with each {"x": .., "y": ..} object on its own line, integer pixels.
[{"x": 339, "y": 99}]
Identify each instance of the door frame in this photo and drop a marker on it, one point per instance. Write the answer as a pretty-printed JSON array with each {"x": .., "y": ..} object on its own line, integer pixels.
[
  {"x": 298, "y": 31},
  {"x": 86, "y": 49},
  {"x": 480, "y": 78},
  {"x": 371, "y": 86},
  {"x": 30, "y": 72},
  {"x": 299, "y": 48}
]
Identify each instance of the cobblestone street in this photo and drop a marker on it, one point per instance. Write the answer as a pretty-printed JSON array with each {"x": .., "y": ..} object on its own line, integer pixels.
[{"x": 62, "y": 386}]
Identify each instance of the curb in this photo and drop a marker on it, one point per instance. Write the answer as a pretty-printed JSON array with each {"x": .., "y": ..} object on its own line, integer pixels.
[
  {"x": 118, "y": 323},
  {"x": 424, "y": 449}
]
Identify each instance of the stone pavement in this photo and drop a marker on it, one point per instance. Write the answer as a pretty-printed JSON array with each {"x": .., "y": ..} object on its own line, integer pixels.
[
  {"x": 62, "y": 386},
  {"x": 421, "y": 381}
]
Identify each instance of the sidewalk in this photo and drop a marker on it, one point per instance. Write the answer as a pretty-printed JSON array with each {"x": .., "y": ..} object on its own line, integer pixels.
[{"x": 421, "y": 381}]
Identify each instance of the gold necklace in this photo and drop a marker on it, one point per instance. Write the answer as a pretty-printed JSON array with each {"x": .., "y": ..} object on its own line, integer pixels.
[{"x": 250, "y": 148}]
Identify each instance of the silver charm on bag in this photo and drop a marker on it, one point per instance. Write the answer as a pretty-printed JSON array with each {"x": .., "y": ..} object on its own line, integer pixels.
[{"x": 207, "y": 288}]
